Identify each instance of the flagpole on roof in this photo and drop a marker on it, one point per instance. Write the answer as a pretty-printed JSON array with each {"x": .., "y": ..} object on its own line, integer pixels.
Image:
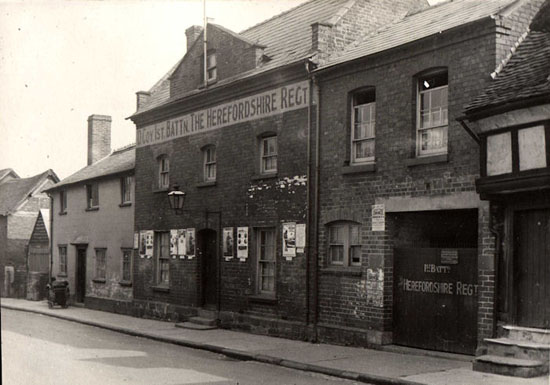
[{"x": 205, "y": 43}]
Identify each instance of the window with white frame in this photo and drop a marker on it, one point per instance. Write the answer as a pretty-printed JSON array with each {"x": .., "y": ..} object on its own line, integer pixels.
[
  {"x": 92, "y": 195},
  {"x": 62, "y": 201},
  {"x": 162, "y": 257},
  {"x": 211, "y": 67},
  {"x": 432, "y": 114},
  {"x": 268, "y": 154},
  {"x": 63, "y": 260},
  {"x": 100, "y": 263},
  {"x": 363, "y": 127},
  {"x": 344, "y": 245},
  {"x": 209, "y": 156},
  {"x": 126, "y": 189},
  {"x": 164, "y": 172},
  {"x": 266, "y": 261},
  {"x": 126, "y": 265}
]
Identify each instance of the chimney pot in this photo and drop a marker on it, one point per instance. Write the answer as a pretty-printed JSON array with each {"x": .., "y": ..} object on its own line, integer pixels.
[{"x": 99, "y": 137}]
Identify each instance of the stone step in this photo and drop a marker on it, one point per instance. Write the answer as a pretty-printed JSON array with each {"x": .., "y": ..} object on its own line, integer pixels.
[
  {"x": 207, "y": 313},
  {"x": 521, "y": 333},
  {"x": 506, "y": 347},
  {"x": 509, "y": 366},
  {"x": 203, "y": 321},
  {"x": 194, "y": 326}
]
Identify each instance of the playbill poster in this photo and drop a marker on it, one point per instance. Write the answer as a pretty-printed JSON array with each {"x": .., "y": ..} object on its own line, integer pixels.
[
  {"x": 177, "y": 243},
  {"x": 190, "y": 249},
  {"x": 228, "y": 243},
  {"x": 242, "y": 243},
  {"x": 289, "y": 240}
]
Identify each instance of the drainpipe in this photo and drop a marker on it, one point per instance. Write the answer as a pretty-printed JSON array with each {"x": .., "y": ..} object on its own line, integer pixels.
[
  {"x": 316, "y": 208},
  {"x": 308, "y": 196},
  {"x": 51, "y": 240},
  {"x": 495, "y": 230}
]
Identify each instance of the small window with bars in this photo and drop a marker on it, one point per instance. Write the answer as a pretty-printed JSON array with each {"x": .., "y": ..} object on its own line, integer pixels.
[
  {"x": 63, "y": 260},
  {"x": 126, "y": 265},
  {"x": 266, "y": 261},
  {"x": 162, "y": 243},
  {"x": 100, "y": 263}
]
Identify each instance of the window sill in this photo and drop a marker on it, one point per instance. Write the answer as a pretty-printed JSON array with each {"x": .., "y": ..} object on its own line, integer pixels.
[
  {"x": 209, "y": 183},
  {"x": 63, "y": 213},
  {"x": 351, "y": 271},
  {"x": 427, "y": 160},
  {"x": 125, "y": 283},
  {"x": 359, "y": 168},
  {"x": 99, "y": 280},
  {"x": 92, "y": 209},
  {"x": 161, "y": 289},
  {"x": 264, "y": 176},
  {"x": 263, "y": 298},
  {"x": 125, "y": 204},
  {"x": 161, "y": 190}
]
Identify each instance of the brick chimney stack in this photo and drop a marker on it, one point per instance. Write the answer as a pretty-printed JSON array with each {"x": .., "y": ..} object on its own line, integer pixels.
[
  {"x": 192, "y": 34},
  {"x": 99, "y": 137}
]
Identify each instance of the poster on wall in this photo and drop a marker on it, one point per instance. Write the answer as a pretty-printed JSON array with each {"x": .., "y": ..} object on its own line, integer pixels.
[
  {"x": 378, "y": 218},
  {"x": 242, "y": 243},
  {"x": 136, "y": 240},
  {"x": 228, "y": 243},
  {"x": 149, "y": 237},
  {"x": 190, "y": 248},
  {"x": 174, "y": 243},
  {"x": 300, "y": 237},
  {"x": 181, "y": 244},
  {"x": 289, "y": 240},
  {"x": 142, "y": 243}
]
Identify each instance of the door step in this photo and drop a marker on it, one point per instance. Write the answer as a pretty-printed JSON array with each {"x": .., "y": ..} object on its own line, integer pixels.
[
  {"x": 194, "y": 326},
  {"x": 510, "y": 366},
  {"x": 521, "y": 352},
  {"x": 206, "y": 320}
]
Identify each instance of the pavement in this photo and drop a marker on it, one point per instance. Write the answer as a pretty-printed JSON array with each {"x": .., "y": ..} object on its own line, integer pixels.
[{"x": 391, "y": 366}]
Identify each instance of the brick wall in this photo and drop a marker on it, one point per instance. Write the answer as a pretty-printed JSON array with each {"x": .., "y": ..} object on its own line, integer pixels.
[
  {"x": 364, "y": 299},
  {"x": 244, "y": 198},
  {"x": 233, "y": 56}
]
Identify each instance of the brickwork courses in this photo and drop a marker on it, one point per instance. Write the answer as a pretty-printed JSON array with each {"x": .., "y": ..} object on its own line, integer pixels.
[{"x": 356, "y": 301}]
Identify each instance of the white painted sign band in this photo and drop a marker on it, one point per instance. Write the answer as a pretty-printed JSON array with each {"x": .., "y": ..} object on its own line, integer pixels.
[{"x": 273, "y": 102}]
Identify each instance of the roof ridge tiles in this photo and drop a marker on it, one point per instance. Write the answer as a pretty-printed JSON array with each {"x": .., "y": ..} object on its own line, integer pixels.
[{"x": 276, "y": 16}]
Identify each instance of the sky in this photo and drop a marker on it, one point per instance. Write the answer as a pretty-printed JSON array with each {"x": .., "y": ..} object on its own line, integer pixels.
[{"x": 62, "y": 61}]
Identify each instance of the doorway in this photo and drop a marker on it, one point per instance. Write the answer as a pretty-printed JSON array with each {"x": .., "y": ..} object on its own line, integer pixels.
[
  {"x": 207, "y": 243},
  {"x": 532, "y": 268},
  {"x": 80, "y": 279}
]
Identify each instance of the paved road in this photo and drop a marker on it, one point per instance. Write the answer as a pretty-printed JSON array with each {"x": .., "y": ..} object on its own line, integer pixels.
[{"x": 41, "y": 350}]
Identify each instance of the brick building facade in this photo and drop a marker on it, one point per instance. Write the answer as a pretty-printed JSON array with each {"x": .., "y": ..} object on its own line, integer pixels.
[
  {"x": 239, "y": 147},
  {"x": 398, "y": 208}
]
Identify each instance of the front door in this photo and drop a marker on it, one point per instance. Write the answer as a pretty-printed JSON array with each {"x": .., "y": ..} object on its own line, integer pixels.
[
  {"x": 532, "y": 268},
  {"x": 80, "y": 281},
  {"x": 208, "y": 251}
]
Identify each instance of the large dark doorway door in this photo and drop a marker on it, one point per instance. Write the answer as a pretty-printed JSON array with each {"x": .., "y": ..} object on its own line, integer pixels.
[
  {"x": 435, "y": 298},
  {"x": 80, "y": 279},
  {"x": 208, "y": 254},
  {"x": 532, "y": 267}
]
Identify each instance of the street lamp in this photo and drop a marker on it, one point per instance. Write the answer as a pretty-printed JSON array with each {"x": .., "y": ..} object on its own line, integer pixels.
[{"x": 176, "y": 198}]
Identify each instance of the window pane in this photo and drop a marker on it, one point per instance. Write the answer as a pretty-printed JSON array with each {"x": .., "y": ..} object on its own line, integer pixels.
[
  {"x": 532, "y": 148},
  {"x": 336, "y": 254},
  {"x": 364, "y": 149},
  {"x": 355, "y": 255},
  {"x": 354, "y": 235}
]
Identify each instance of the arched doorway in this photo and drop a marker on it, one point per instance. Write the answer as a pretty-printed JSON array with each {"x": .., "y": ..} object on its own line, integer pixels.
[{"x": 207, "y": 244}]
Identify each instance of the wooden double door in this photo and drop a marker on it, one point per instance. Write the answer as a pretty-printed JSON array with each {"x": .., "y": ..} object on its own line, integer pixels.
[{"x": 532, "y": 267}]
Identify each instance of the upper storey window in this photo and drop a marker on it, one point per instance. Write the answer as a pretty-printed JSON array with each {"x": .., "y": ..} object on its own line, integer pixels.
[
  {"x": 211, "y": 67},
  {"x": 268, "y": 149},
  {"x": 432, "y": 114},
  {"x": 209, "y": 155},
  {"x": 164, "y": 172},
  {"x": 363, "y": 127}
]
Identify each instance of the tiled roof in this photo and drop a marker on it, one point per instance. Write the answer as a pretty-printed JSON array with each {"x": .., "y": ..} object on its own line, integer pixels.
[
  {"x": 430, "y": 21},
  {"x": 14, "y": 191},
  {"x": 286, "y": 37},
  {"x": 6, "y": 171},
  {"x": 118, "y": 161},
  {"x": 526, "y": 75}
]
